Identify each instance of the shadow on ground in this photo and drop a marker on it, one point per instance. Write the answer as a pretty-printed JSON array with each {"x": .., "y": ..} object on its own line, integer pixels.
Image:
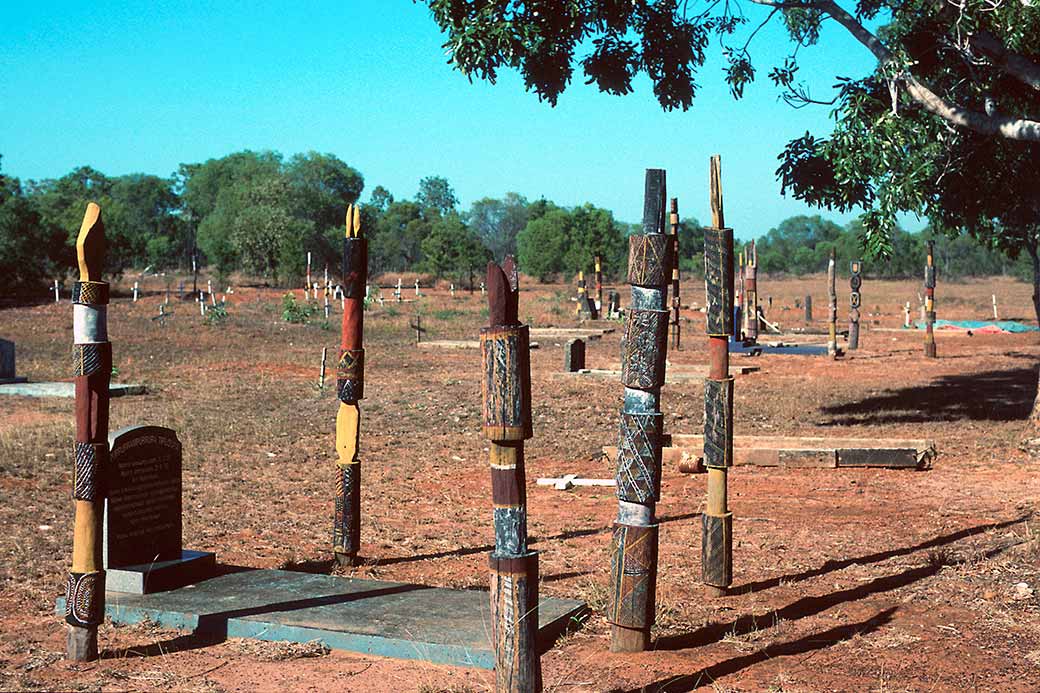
[
  {"x": 802, "y": 608},
  {"x": 988, "y": 396}
]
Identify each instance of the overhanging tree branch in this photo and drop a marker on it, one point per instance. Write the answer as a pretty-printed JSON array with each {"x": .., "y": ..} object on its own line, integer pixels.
[
  {"x": 1012, "y": 128},
  {"x": 1018, "y": 66}
]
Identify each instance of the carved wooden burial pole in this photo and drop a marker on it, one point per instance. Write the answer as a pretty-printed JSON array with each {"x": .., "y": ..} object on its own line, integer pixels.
[
  {"x": 506, "y": 394},
  {"x": 855, "y": 282},
  {"x": 599, "y": 285},
  {"x": 717, "y": 520},
  {"x": 832, "y": 309},
  {"x": 350, "y": 382},
  {"x": 581, "y": 292},
  {"x": 92, "y": 367},
  {"x": 929, "y": 302},
  {"x": 751, "y": 293},
  {"x": 644, "y": 346},
  {"x": 673, "y": 219}
]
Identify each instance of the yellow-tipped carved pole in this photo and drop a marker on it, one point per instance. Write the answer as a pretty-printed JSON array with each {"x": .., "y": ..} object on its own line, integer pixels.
[
  {"x": 92, "y": 368},
  {"x": 350, "y": 381},
  {"x": 929, "y": 302}
]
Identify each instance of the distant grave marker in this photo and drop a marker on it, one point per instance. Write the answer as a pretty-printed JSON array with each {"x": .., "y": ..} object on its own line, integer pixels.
[
  {"x": 7, "y": 370},
  {"x": 574, "y": 355}
]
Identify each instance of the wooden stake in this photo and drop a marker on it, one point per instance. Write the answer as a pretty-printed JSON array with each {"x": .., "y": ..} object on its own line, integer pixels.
[
  {"x": 321, "y": 373},
  {"x": 350, "y": 381},
  {"x": 506, "y": 395},
  {"x": 92, "y": 368},
  {"x": 633, "y": 566},
  {"x": 717, "y": 520}
]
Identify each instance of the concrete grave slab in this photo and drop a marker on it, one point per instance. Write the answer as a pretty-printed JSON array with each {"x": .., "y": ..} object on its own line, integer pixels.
[
  {"x": 388, "y": 619},
  {"x": 65, "y": 389}
]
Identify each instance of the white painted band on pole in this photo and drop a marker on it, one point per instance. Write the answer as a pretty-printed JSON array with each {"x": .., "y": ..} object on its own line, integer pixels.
[
  {"x": 89, "y": 323},
  {"x": 635, "y": 514}
]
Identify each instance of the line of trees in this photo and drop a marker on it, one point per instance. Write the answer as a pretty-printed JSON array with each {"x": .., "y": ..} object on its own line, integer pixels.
[{"x": 260, "y": 214}]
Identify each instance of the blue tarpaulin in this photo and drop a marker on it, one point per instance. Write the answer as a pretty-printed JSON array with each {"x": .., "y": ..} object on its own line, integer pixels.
[{"x": 1003, "y": 325}]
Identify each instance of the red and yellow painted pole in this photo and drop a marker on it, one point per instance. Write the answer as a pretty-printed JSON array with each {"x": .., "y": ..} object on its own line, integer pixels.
[
  {"x": 929, "y": 302},
  {"x": 92, "y": 367},
  {"x": 599, "y": 286},
  {"x": 350, "y": 384}
]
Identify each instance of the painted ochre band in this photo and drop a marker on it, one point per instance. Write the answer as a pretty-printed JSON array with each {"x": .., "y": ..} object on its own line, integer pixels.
[
  {"x": 88, "y": 292},
  {"x": 717, "y": 549},
  {"x": 718, "y": 423},
  {"x": 506, "y": 382},
  {"x": 649, "y": 262},
  {"x": 84, "y": 595},
  {"x": 346, "y": 526},
  {"x": 643, "y": 344},
  {"x": 91, "y": 358},
  {"x": 718, "y": 281},
  {"x": 91, "y": 462},
  {"x": 633, "y": 576},
  {"x": 350, "y": 375},
  {"x": 639, "y": 457}
]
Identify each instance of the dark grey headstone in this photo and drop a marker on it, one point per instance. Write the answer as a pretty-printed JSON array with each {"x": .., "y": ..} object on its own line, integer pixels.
[
  {"x": 574, "y": 355},
  {"x": 143, "y": 507},
  {"x": 6, "y": 359}
]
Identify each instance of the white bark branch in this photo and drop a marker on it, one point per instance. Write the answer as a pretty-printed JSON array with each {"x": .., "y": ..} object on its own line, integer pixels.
[
  {"x": 1011, "y": 128},
  {"x": 1018, "y": 66}
]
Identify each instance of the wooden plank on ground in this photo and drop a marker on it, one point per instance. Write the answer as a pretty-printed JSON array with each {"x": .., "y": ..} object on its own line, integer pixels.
[
  {"x": 456, "y": 344},
  {"x": 802, "y": 452},
  {"x": 673, "y": 374}
]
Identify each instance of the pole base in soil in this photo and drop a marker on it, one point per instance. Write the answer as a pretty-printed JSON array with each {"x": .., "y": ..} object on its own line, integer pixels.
[
  {"x": 81, "y": 644},
  {"x": 713, "y": 592},
  {"x": 929, "y": 351},
  {"x": 346, "y": 559},
  {"x": 629, "y": 639}
]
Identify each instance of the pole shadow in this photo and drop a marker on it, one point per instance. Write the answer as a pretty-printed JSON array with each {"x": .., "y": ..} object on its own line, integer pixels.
[
  {"x": 562, "y": 536},
  {"x": 831, "y": 566},
  {"x": 810, "y": 643},
  {"x": 998, "y": 395}
]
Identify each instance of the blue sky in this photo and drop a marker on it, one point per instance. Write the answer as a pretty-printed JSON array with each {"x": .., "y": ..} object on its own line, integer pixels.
[{"x": 141, "y": 87}]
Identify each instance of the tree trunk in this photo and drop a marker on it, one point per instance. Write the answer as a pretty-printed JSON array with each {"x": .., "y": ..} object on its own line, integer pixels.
[{"x": 1031, "y": 246}]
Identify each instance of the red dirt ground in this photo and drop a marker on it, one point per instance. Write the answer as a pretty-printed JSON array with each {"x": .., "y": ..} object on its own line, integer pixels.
[{"x": 845, "y": 580}]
